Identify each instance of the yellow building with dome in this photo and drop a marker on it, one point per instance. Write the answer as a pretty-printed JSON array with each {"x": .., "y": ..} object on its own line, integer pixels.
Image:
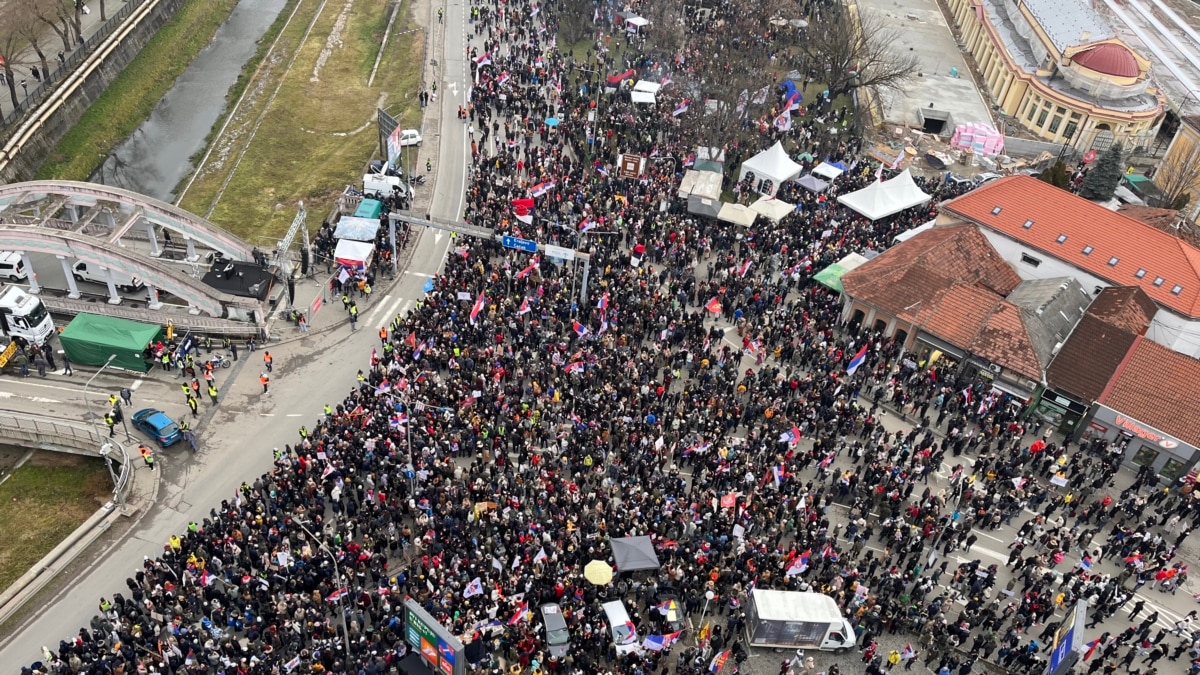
[{"x": 1057, "y": 68}]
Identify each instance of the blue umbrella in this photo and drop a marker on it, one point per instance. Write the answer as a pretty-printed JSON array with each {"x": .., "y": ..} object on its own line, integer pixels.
[{"x": 551, "y": 121}]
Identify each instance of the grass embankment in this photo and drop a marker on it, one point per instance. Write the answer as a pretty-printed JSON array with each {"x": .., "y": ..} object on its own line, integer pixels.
[
  {"x": 131, "y": 97},
  {"x": 43, "y": 502},
  {"x": 320, "y": 128}
]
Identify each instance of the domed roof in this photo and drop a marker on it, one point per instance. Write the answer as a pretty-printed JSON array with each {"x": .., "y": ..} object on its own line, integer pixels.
[{"x": 1109, "y": 58}]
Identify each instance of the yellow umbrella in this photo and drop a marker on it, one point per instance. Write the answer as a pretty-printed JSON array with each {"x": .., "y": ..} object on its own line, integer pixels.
[{"x": 598, "y": 572}]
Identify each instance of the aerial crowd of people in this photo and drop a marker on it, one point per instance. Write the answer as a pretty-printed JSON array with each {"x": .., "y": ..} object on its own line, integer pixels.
[{"x": 699, "y": 390}]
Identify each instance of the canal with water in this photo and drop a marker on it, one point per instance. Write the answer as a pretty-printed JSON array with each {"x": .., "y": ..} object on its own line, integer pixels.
[{"x": 158, "y": 155}]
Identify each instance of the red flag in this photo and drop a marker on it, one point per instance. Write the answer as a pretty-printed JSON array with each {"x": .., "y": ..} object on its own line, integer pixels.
[
  {"x": 412, "y": 340},
  {"x": 713, "y": 305}
]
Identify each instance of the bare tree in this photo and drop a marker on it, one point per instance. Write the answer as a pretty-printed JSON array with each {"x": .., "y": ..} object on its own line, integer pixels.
[
  {"x": 12, "y": 43},
  {"x": 57, "y": 14},
  {"x": 576, "y": 21},
  {"x": 33, "y": 31},
  {"x": 1178, "y": 177},
  {"x": 848, "y": 51}
]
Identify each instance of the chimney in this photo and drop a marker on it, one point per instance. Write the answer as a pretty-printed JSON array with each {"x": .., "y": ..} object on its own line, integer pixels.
[{"x": 1085, "y": 36}]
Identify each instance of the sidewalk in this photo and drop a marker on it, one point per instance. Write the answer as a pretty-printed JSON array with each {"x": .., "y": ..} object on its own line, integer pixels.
[{"x": 26, "y": 59}]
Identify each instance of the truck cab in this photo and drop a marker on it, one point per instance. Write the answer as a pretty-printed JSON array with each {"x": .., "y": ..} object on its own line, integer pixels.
[
  {"x": 24, "y": 316},
  {"x": 839, "y": 639}
]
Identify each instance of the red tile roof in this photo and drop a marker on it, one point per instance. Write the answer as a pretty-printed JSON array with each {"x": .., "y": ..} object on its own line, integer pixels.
[
  {"x": 1159, "y": 387},
  {"x": 1055, "y": 212},
  {"x": 950, "y": 282},
  {"x": 1098, "y": 345}
]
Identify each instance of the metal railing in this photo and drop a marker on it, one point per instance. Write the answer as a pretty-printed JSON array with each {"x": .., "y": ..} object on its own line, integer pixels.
[
  {"x": 66, "y": 65},
  {"x": 18, "y": 426}
]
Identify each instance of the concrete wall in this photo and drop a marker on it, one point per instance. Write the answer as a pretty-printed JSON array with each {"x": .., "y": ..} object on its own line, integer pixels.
[{"x": 25, "y": 162}]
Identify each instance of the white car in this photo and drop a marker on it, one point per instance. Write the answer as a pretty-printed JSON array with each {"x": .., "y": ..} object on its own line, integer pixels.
[{"x": 410, "y": 137}]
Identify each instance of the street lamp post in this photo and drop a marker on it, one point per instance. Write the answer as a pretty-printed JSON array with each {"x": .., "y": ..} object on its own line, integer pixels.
[
  {"x": 337, "y": 574},
  {"x": 87, "y": 404}
]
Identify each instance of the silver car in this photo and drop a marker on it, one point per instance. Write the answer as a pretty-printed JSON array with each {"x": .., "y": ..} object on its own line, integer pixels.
[{"x": 558, "y": 638}]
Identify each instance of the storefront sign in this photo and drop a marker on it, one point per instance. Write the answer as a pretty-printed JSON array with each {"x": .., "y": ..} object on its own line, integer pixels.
[{"x": 1144, "y": 433}]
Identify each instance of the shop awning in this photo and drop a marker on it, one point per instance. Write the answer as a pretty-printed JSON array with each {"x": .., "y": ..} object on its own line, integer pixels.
[{"x": 831, "y": 277}]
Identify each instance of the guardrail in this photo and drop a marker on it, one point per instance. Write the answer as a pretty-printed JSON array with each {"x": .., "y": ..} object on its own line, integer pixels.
[
  {"x": 49, "y": 434},
  {"x": 68, "y": 64}
]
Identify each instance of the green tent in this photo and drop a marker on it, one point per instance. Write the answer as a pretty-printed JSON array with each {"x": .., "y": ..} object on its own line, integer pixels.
[
  {"x": 831, "y": 276},
  {"x": 90, "y": 339}
]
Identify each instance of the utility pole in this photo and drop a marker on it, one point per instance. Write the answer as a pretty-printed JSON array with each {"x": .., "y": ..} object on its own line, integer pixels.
[{"x": 337, "y": 582}]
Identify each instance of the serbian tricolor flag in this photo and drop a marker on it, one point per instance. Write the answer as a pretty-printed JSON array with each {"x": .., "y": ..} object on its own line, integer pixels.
[
  {"x": 713, "y": 305},
  {"x": 523, "y": 209},
  {"x": 542, "y": 188},
  {"x": 477, "y": 308},
  {"x": 337, "y": 595},
  {"x": 1136, "y": 557},
  {"x": 586, "y": 225},
  {"x": 791, "y": 436},
  {"x": 576, "y": 367},
  {"x": 579, "y": 328},
  {"x": 857, "y": 360},
  {"x": 603, "y": 304},
  {"x": 524, "y": 308},
  {"x": 681, "y": 108},
  {"x": 521, "y": 613},
  {"x": 503, "y": 78},
  {"x": 798, "y": 564},
  {"x": 744, "y": 268},
  {"x": 483, "y": 59},
  {"x": 1091, "y": 648},
  {"x": 777, "y": 472},
  {"x": 533, "y": 263}
]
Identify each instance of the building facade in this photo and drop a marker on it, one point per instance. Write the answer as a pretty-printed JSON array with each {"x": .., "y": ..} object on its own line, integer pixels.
[{"x": 1059, "y": 70}]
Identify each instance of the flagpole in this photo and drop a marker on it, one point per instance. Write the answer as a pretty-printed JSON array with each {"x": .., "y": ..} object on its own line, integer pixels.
[
  {"x": 336, "y": 582},
  {"x": 708, "y": 596}
]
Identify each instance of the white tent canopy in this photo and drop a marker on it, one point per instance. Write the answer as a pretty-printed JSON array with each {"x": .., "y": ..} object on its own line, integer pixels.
[
  {"x": 647, "y": 86},
  {"x": 637, "y": 21},
  {"x": 881, "y": 199},
  {"x": 701, "y": 183},
  {"x": 772, "y": 163},
  {"x": 909, "y": 234},
  {"x": 353, "y": 253},
  {"x": 737, "y": 214},
  {"x": 641, "y": 97},
  {"x": 826, "y": 170},
  {"x": 772, "y": 209}
]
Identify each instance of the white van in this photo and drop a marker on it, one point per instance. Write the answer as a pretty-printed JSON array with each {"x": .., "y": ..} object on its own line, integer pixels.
[
  {"x": 126, "y": 282},
  {"x": 624, "y": 633},
  {"x": 378, "y": 185},
  {"x": 12, "y": 267}
]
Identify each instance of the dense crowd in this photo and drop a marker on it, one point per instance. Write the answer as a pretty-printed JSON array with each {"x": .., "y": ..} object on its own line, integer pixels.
[{"x": 698, "y": 392}]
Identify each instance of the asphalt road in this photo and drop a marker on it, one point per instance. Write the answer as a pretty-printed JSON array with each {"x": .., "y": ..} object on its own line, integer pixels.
[{"x": 237, "y": 438}]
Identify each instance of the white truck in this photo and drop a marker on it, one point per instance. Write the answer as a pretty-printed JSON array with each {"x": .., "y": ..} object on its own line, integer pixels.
[
  {"x": 792, "y": 619},
  {"x": 24, "y": 316}
]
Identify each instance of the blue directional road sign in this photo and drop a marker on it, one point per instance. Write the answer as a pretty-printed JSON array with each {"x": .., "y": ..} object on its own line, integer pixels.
[{"x": 519, "y": 244}]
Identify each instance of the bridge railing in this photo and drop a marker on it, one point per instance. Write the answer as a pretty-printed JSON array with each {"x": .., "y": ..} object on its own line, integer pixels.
[{"x": 45, "y": 433}]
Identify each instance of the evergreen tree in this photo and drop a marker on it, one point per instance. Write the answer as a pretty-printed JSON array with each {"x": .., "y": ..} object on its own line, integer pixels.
[
  {"x": 1056, "y": 175},
  {"x": 1101, "y": 182}
]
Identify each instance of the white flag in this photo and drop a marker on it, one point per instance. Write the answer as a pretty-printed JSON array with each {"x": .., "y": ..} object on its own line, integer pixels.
[
  {"x": 541, "y": 555},
  {"x": 516, "y": 561},
  {"x": 474, "y": 588},
  {"x": 496, "y": 564}
]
